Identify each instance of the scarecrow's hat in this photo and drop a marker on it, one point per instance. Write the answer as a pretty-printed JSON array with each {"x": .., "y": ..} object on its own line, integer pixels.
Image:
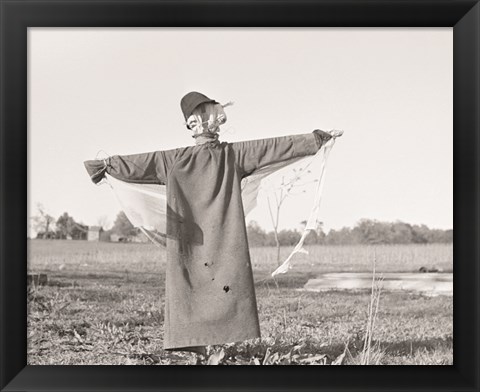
[{"x": 190, "y": 101}]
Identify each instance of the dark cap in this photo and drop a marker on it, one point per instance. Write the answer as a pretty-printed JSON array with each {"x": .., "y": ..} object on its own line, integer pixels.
[{"x": 190, "y": 101}]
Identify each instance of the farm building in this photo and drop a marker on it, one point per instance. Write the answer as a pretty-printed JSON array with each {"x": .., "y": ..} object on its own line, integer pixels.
[
  {"x": 94, "y": 233},
  {"x": 139, "y": 237},
  {"x": 115, "y": 238},
  {"x": 50, "y": 235}
]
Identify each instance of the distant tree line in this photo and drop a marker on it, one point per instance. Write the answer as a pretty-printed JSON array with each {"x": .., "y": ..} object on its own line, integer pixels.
[
  {"x": 47, "y": 227},
  {"x": 366, "y": 231},
  {"x": 66, "y": 227}
]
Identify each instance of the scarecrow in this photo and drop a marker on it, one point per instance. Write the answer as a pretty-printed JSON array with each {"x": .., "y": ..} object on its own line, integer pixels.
[{"x": 210, "y": 296}]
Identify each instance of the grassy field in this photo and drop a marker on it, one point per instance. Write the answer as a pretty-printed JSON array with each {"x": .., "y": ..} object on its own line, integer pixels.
[{"x": 103, "y": 304}]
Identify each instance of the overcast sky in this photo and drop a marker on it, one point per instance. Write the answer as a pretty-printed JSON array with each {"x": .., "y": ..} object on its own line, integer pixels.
[{"x": 118, "y": 90}]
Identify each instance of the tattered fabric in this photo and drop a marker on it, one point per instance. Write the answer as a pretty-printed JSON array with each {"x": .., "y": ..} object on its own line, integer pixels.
[{"x": 199, "y": 215}]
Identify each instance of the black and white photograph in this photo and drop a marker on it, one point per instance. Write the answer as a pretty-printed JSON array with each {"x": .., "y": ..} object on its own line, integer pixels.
[{"x": 240, "y": 196}]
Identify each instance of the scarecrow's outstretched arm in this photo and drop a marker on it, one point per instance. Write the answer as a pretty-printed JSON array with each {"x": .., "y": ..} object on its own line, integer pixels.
[
  {"x": 147, "y": 168},
  {"x": 254, "y": 154}
]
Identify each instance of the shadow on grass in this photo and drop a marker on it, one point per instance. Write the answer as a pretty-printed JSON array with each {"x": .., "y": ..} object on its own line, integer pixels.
[
  {"x": 98, "y": 295},
  {"x": 59, "y": 283},
  {"x": 139, "y": 318},
  {"x": 92, "y": 276},
  {"x": 118, "y": 278},
  {"x": 401, "y": 349},
  {"x": 411, "y": 346}
]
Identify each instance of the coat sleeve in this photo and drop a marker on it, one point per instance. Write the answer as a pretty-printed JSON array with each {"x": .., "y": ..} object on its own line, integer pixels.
[
  {"x": 147, "y": 168},
  {"x": 254, "y": 154}
]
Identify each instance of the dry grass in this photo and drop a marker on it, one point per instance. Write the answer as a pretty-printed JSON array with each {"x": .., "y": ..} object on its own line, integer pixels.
[
  {"x": 358, "y": 258},
  {"x": 371, "y": 354},
  {"x": 104, "y": 305}
]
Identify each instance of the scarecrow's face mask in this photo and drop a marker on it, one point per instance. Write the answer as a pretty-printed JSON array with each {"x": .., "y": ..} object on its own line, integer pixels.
[{"x": 206, "y": 120}]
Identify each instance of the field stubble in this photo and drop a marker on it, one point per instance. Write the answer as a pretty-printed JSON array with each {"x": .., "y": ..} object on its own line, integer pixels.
[{"x": 103, "y": 304}]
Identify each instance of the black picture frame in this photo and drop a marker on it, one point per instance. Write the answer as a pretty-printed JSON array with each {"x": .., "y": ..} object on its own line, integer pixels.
[{"x": 18, "y": 15}]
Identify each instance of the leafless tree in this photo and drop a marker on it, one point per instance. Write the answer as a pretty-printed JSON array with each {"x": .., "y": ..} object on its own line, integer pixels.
[
  {"x": 42, "y": 221},
  {"x": 287, "y": 188}
]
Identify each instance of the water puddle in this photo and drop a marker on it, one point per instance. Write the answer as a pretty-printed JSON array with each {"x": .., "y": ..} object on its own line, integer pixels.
[{"x": 424, "y": 283}]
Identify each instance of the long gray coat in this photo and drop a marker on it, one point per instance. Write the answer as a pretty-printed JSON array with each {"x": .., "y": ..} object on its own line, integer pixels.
[{"x": 210, "y": 295}]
